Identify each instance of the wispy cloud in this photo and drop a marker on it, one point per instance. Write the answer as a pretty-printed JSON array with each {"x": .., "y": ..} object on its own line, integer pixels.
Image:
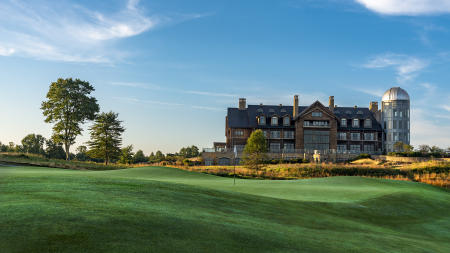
[
  {"x": 446, "y": 107},
  {"x": 373, "y": 92},
  {"x": 133, "y": 100},
  {"x": 207, "y": 93},
  {"x": 407, "y": 67},
  {"x": 407, "y": 7},
  {"x": 149, "y": 86},
  {"x": 64, "y": 31}
]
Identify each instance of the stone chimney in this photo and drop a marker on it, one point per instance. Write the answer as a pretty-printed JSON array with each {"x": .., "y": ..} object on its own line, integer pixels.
[
  {"x": 242, "y": 104},
  {"x": 331, "y": 103},
  {"x": 295, "y": 108},
  {"x": 373, "y": 107}
]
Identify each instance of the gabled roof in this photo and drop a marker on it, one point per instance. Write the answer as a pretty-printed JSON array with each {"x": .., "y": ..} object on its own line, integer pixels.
[{"x": 313, "y": 105}]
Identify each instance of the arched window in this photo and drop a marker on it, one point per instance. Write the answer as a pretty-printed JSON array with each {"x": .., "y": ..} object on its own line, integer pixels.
[
  {"x": 261, "y": 120},
  {"x": 274, "y": 121},
  {"x": 286, "y": 121}
]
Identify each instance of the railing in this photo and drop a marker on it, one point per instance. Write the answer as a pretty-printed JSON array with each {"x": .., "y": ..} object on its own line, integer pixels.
[{"x": 296, "y": 151}]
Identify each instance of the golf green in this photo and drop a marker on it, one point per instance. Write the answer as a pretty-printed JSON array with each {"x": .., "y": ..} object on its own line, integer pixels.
[{"x": 155, "y": 209}]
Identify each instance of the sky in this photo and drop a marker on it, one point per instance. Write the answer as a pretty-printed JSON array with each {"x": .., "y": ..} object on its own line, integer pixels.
[{"x": 170, "y": 68}]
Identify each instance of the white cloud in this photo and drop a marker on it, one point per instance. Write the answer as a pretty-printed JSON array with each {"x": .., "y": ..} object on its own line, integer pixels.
[
  {"x": 446, "y": 107},
  {"x": 407, "y": 67},
  {"x": 426, "y": 130},
  {"x": 407, "y": 7},
  {"x": 61, "y": 31}
]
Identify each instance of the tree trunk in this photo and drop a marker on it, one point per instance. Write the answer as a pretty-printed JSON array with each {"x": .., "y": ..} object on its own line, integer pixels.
[{"x": 67, "y": 146}]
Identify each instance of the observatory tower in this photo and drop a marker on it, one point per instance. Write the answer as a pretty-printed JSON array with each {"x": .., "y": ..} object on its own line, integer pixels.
[{"x": 395, "y": 117}]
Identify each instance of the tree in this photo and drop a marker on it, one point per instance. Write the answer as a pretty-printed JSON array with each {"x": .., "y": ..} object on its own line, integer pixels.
[
  {"x": 436, "y": 150},
  {"x": 126, "y": 155},
  {"x": 54, "y": 150},
  {"x": 33, "y": 144},
  {"x": 159, "y": 156},
  {"x": 69, "y": 105},
  {"x": 407, "y": 148},
  {"x": 139, "y": 157},
  {"x": 82, "y": 154},
  {"x": 424, "y": 149},
  {"x": 152, "y": 158},
  {"x": 106, "y": 137},
  {"x": 189, "y": 152},
  {"x": 255, "y": 151},
  {"x": 398, "y": 146}
]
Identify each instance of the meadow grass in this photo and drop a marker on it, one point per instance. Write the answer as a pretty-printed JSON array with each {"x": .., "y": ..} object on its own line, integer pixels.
[{"x": 156, "y": 209}]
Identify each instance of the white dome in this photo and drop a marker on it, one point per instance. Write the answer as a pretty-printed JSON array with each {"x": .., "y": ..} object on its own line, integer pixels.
[{"x": 395, "y": 93}]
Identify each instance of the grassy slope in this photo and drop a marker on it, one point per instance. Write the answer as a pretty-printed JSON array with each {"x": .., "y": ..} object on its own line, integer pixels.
[{"x": 163, "y": 209}]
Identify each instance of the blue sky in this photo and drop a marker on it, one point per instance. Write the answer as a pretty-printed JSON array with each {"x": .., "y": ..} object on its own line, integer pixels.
[{"x": 170, "y": 68}]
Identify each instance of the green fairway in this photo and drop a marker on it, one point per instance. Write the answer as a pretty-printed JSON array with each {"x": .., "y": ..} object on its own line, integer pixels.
[{"x": 154, "y": 209}]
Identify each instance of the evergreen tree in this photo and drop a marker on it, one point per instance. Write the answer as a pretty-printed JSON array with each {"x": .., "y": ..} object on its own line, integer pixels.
[
  {"x": 69, "y": 105},
  {"x": 106, "y": 137}
]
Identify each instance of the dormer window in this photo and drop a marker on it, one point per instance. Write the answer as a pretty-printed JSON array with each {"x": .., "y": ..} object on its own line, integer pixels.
[
  {"x": 261, "y": 120},
  {"x": 271, "y": 110},
  {"x": 283, "y": 110},
  {"x": 368, "y": 123},
  {"x": 274, "y": 121},
  {"x": 355, "y": 123},
  {"x": 260, "y": 110},
  {"x": 344, "y": 122},
  {"x": 359, "y": 112},
  {"x": 317, "y": 114},
  {"x": 286, "y": 121}
]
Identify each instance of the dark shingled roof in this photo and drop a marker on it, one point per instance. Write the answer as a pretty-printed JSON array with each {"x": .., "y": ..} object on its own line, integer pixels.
[{"x": 248, "y": 118}]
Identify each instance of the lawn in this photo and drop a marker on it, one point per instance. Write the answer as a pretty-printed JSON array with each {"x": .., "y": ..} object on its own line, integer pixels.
[{"x": 154, "y": 209}]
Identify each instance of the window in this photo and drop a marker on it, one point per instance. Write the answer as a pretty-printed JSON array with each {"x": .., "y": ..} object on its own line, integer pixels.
[
  {"x": 238, "y": 133},
  {"x": 239, "y": 148},
  {"x": 343, "y": 122},
  {"x": 401, "y": 114},
  {"x": 266, "y": 135},
  {"x": 274, "y": 147},
  {"x": 369, "y": 136},
  {"x": 316, "y": 123},
  {"x": 355, "y": 136},
  {"x": 275, "y": 134},
  {"x": 271, "y": 110},
  {"x": 288, "y": 134},
  {"x": 368, "y": 123},
  {"x": 395, "y": 113},
  {"x": 369, "y": 148},
  {"x": 355, "y": 148},
  {"x": 286, "y": 121},
  {"x": 283, "y": 110},
  {"x": 342, "y": 136},
  {"x": 289, "y": 146},
  {"x": 274, "y": 121},
  {"x": 316, "y": 140},
  {"x": 348, "y": 112},
  {"x": 395, "y": 136},
  {"x": 261, "y": 120},
  {"x": 342, "y": 147},
  {"x": 316, "y": 114},
  {"x": 359, "y": 112},
  {"x": 355, "y": 123}
]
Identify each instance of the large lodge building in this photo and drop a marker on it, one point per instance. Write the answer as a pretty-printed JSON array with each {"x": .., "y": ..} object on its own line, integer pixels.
[{"x": 337, "y": 133}]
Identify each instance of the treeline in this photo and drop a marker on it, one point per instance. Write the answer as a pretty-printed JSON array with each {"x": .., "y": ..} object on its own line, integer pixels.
[
  {"x": 39, "y": 145},
  {"x": 405, "y": 150}
]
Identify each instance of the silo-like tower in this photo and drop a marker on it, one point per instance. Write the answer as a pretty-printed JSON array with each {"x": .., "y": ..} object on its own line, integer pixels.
[{"x": 395, "y": 117}]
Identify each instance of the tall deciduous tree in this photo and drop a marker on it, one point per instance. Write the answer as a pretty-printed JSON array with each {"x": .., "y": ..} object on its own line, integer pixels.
[
  {"x": 69, "y": 105},
  {"x": 139, "y": 157},
  {"x": 106, "y": 137},
  {"x": 255, "y": 151},
  {"x": 33, "y": 144}
]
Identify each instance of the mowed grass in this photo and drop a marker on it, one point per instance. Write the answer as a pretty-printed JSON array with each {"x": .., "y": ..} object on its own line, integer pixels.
[{"x": 154, "y": 209}]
